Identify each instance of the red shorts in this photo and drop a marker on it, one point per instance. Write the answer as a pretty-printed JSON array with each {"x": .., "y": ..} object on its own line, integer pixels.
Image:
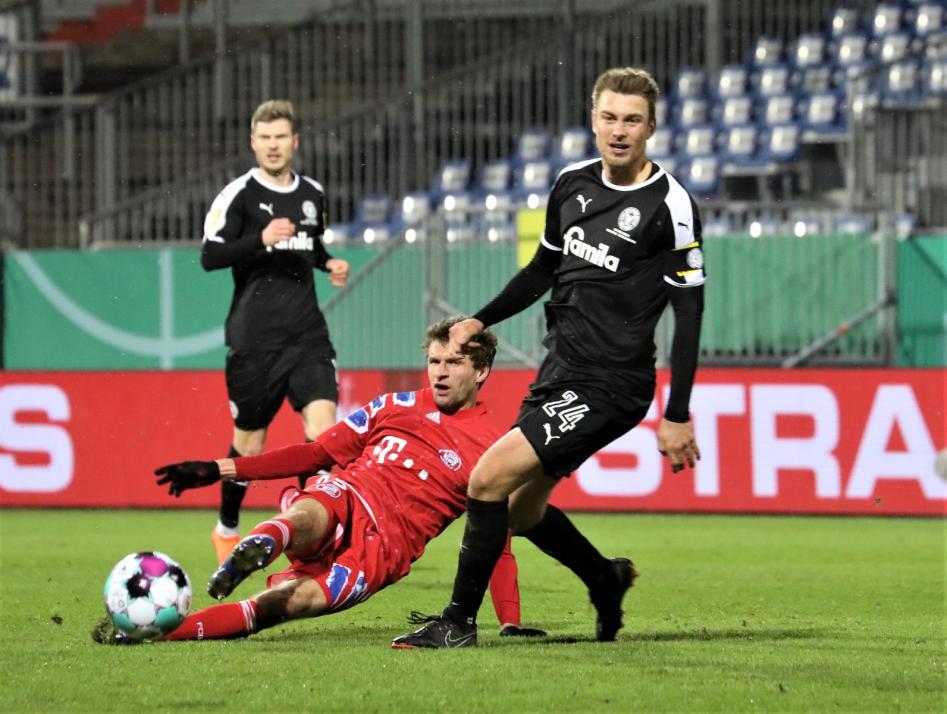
[{"x": 353, "y": 563}]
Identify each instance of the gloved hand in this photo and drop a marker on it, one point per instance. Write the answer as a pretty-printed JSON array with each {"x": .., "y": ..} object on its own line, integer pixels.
[{"x": 187, "y": 474}]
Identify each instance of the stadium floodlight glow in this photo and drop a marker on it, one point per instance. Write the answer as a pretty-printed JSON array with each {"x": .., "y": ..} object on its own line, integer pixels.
[
  {"x": 491, "y": 202},
  {"x": 328, "y": 236},
  {"x": 410, "y": 235},
  {"x": 799, "y": 229},
  {"x": 369, "y": 235},
  {"x": 756, "y": 229},
  {"x": 493, "y": 235},
  {"x": 532, "y": 201}
]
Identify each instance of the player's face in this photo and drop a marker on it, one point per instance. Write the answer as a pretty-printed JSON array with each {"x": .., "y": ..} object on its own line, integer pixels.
[
  {"x": 274, "y": 144},
  {"x": 453, "y": 378},
  {"x": 622, "y": 126}
]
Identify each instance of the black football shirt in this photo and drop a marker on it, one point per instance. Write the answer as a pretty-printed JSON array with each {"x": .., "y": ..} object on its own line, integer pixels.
[
  {"x": 274, "y": 300},
  {"x": 623, "y": 248}
]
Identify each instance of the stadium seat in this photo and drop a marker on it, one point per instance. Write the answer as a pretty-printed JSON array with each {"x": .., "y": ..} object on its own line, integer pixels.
[
  {"x": 885, "y": 19},
  {"x": 849, "y": 49},
  {"x": 823, "y": 117},
  {"x": 373, "y": 209},
  {"x": 495, "y": 176},
  {"x": 415, "y": 207},
  {"x": 844, "y": 20},
  {"x": 532, "y": 145},
  {"x": 697, "y": 140},
  {"x": 451, "y": 177},
  {"x": 804, "y": 224},
  {"x": 498, "y": 207},
  {"x": 735, "y": 110},
  {"x": 765, "y": 225},
  {"x": 499, "y": 232},
  {"x": 893, "y": 47},
  {"x": 338, "y": 234},
  {"x": 701, "y": 175},
  {"x": 662, "y": 112},
  {"x": 934, "y": 78},
  {"x": 738, "y": 148},
  {"x": 691, "y": 111},
  {"x": 852, "y": 223},
  {"x": 815, "y": 78},
  {"x": 807, "y": 50},
  {"x": 574, "y": 144},
  {"x": 900, "y": 82},
  {"x": 375, "y": 233},
  {"x": 531, "y": 182},
  {"x": 772, "y": 79},
  {"x": 781, "y": 143},
  {"x": 717, "y": 226},
  {"x": 766, "y": 51},
  {"x": 690, "y": 83},
  {"x": 732, "y": 81},
  {"x": 776, "y": 109},
  {"x": 457, "y": 207},
  {"x": 928, "y": 18},
  {"x": 461, "y": 232},
  {"x": 661, "y": 142},
  {"x": 935, "y": 44}
]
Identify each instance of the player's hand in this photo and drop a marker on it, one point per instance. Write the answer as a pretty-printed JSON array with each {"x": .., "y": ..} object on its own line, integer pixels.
[
  {"x": 677, "y": 442},
  {"x": 277, "y": 230},
  {"x": 338, "y": 271},
  {"x": 461, "y": 333},
  {"x": 187, "y": 474}
]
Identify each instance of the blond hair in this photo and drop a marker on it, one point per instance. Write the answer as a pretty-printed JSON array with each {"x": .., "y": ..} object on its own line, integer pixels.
[
  {"x": 271, "y": 110},
  {"x": 627, "y": 80}
]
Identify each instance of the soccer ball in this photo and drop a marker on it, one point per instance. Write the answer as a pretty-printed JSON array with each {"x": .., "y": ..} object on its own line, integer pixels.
[{"x": 147, "y": 595}]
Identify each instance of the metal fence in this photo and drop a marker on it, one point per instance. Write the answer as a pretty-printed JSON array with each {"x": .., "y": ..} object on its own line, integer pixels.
[{"x": 386, "y": 90}]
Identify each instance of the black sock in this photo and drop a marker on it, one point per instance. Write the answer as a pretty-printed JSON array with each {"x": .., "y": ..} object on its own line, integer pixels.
[
  {"x": 484, "y": 538},
  {"x": 556, "y": 535},
  {"x": 231, "y": 496}
]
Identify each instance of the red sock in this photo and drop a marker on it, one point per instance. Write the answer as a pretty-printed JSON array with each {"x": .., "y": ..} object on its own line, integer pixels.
[
  {"x": 232, "y": 619},
  {"x": 504, "y": 588},
  {"x": 280, "y": 529}
]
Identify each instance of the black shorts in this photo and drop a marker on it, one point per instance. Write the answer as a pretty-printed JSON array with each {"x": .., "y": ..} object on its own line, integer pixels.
[
  {"x": 257, "y": 382},
  {"x": 570, "y": 414}
]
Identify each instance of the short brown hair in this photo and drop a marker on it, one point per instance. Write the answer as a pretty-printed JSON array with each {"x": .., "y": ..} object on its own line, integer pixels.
[
  {"x": 271, "y": 110},
  {"x": 627, "y": 80},
  {"x": 481, "y": 356}
]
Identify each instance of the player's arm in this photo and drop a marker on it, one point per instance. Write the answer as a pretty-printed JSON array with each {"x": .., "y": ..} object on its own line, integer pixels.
[{"x": 685, "y": 276}]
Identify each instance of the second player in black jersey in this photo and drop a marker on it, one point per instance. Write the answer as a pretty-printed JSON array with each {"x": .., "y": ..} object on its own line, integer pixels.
[
  {"x": 267, "y": 226},
  {"x": 622, "y": 240}
]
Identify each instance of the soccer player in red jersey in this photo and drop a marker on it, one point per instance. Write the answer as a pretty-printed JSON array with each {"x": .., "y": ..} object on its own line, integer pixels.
[{"x": 406, "y": 459}]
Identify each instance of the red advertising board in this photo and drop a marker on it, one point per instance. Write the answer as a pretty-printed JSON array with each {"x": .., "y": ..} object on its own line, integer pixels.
[{"x": 806, "y": 441}]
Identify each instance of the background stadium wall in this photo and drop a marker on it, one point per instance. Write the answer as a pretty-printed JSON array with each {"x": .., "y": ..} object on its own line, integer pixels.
[{"x": 156, "y": 309}]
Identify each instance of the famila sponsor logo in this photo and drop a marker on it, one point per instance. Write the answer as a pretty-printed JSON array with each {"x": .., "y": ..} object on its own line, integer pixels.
[{"x": 575, "y": 244}]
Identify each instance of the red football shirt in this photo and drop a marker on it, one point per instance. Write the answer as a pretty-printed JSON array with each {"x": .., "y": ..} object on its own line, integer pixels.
[{"x": 411, "y": 463}]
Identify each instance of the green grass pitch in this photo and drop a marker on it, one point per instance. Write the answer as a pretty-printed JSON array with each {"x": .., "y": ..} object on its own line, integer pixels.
[{"x": 730, "y": 614}]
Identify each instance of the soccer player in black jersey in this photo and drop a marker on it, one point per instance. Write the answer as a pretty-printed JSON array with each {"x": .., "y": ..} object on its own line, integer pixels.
[
  {"x": 266, "y": 226},
  {"x": 622, "y": 240}
]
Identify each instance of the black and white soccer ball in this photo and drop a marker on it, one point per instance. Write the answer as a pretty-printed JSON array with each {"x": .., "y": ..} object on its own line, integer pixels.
[{"x": 147, "y": 595}]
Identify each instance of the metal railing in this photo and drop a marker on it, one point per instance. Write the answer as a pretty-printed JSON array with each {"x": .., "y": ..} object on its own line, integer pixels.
[{"x": 449, "y": 80}]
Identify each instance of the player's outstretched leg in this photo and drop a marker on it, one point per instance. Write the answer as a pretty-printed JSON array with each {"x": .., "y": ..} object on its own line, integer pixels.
[
  {"x": 254, "y": 552},
  {"x": 607, "y": 599}
]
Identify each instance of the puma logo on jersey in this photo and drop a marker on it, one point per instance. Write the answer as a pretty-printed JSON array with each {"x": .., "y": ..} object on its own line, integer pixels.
[
  {"x": 549, "y": 435},
  {"x": 268, "y": 207},
  {"x": 574, "y": 244},
  {"x": 583, "y": 201}
]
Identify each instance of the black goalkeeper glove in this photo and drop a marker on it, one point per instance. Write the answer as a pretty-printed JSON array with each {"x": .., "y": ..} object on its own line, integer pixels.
[{"x": 187, "y": 474}]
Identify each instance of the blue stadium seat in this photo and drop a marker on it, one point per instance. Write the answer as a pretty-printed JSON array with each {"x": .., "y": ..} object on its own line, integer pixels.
[
  {"x": 661, "y": 143},
  {"x": 662, "y": 112},
  {"x": 893, "y": 47},
  {"x": 808, "y": 50},
  {"x": 928, "y": 18},
  {"x": 849, "y": 49},
  {"x": 532, "y": 144},
  {"x": 415, "y": 207},
  {"x": 690, "y": 83},
  {"x": 499, "y": 232},
  {"x": 823, "y": 117},
  {"x": 772, "y": 79},
  {"x": 697, "y": 140},
  {"x": 691, "y": 111},
  {"x": 451, "y": 177},
  {"x": 376, "y": 233},
  {"x": 739, "y": 148},
  {"x": 373, "y": 209},
  {"x": 733, "y": 80},
  {"x": 900, "y": 82},
  {"x": 700, "y": 175},
  {"x": 843, "y": 21},
  {"x": 461, "y": 232},
  {"x": 776, "y": 109},
  {"x": 935, "y": 44},
  {"x": 338, "y": 234},
  {"x": 498, "y": 207},
  {"x": 934, "y": 78},
  {"x": 780, "y": 143},
  {"x": 531, "y": 183},
  {"x": 886, "y": 19},
  {"x": 735, "y": 110},
  {"x": 766, "y": 51},
  {"x": 457, "y": 207},
  {"x": 495, "y": 176},
  {"x": 574, "y": 144},
  {"x": 815, "y": 78},
  {"x": 852, "y": 223}
]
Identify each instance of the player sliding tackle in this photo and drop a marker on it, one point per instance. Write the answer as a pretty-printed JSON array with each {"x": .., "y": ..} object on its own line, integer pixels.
[{"x": 405, "y": 458}]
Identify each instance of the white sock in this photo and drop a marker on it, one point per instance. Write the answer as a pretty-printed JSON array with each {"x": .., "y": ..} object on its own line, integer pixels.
[{"x": 225, "y": 531}]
